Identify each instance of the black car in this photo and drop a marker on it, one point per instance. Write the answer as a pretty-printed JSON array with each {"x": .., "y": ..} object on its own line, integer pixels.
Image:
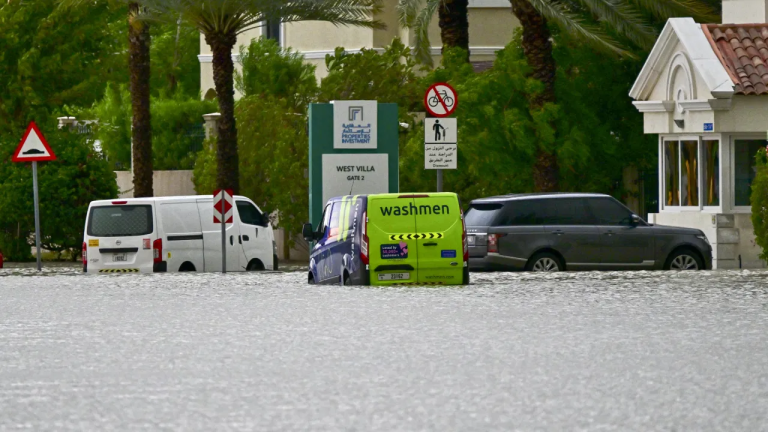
[{"x": 575, "y": 231}]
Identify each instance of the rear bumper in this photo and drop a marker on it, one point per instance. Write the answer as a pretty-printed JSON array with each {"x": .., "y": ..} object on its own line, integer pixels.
[{"x": 496, "y": 262}]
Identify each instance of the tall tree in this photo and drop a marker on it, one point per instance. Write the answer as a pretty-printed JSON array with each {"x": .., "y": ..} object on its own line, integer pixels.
[
  {"x": 141, "y": 130},
  {"x": 628, "y": 19},
  {"x": 220, "y": 21},
  {"x": 139, "y": 78},
  {"x": 452, "y": 18}
]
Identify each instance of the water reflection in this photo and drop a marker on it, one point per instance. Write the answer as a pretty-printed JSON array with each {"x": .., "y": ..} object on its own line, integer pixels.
[{"x": 620, "y": 351}]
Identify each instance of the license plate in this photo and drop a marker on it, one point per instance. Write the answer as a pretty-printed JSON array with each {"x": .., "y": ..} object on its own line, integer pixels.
[
  {"x": 120, "y": 257},
  {"x": 471, "y": 240},
  {"x": 394, "y": 276}
]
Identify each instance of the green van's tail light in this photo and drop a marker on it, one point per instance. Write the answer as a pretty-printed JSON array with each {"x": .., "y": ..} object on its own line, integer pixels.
[
  {"x": 413, "y": 196},
  {"x": 157, "y": 250},
  {"x": 85, "y": 256},
  {"x": 364, "y": 240},
  {"x": 464, "y": 237},
  {"x": 493, "y": 243}
]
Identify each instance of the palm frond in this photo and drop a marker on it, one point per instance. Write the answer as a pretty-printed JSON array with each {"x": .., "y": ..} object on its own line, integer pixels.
[
  {"x": 238, "y": 16},
  {"x": 407, "y": 10},
  {"x": 422, "y": 47},
  {"x": 572, "y": 23},
  {"x": 626, "y": 19},
  {"x": 664, "y": 9}
]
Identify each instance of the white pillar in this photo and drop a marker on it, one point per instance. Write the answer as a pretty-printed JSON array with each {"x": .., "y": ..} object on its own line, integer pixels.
[{"x": 211, "y": 124}]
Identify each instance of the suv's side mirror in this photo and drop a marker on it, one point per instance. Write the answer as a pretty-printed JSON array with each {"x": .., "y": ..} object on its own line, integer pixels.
[
  {"x": 307, "y": 232},
  {"x": 636, "y": 220}
]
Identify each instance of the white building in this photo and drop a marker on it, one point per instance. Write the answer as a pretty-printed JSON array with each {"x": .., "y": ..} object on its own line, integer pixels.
[{"x": 704, "y": 92}]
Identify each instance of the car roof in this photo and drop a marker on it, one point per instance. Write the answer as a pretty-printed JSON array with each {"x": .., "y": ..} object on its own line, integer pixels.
[
  {"x": 528, "y": 196},
  {"x": 147, "y": 200}
]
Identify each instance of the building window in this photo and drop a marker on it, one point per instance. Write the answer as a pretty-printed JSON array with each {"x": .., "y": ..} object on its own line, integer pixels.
[
  {"x": 689, "y": 173},
  {"x": 273, "y": 30},
  {"x": 745, "y": 168},
  {"x": 671, "y": 173},
  {"x": 711, "y": 166}
]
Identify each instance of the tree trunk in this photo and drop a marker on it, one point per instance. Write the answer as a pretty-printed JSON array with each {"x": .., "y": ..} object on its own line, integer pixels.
[
  {"x": 537, "y": 48},
  {"x": 141, "y": 131},
  {"x": 227, "y": 173},
  {"x": 454, "y": 24}
]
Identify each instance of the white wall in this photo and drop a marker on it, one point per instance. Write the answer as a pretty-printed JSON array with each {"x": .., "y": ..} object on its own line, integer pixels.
[{"x": 165, "y": 183}]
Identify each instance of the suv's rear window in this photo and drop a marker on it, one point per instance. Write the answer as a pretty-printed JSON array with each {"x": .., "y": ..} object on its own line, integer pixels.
[
  {"x": 120, "y": 221},
  {"x": 483, "y": 214}
]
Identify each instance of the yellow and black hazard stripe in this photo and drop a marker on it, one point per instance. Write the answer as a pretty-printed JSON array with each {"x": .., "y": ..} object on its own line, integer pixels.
[
  {"x": 416, "y": 236},
  {"x": 119, "y": 271}
]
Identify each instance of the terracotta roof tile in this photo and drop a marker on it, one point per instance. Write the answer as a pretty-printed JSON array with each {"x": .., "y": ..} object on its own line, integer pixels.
[{"x": 743, "y": 50}]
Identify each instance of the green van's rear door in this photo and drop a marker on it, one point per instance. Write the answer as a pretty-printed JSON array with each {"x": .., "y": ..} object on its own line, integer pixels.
[
  {"x": 393, "y": 257},
  {"x": 439, "y": 247}
]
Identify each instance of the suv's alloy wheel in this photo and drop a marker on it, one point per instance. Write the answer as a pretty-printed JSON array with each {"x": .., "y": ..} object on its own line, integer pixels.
[
  {"x": 684, "y": 262},
  {"x": 544, "y": 262}
]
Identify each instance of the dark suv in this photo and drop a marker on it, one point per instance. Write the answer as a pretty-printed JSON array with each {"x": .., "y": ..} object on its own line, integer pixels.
[{"x": 575, "y": 231}]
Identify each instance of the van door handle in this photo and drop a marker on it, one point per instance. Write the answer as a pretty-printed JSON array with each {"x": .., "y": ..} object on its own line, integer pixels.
[
  {"x": 231, "y": 241},
  {"x": 608, "y": 233},
  {"x": 246, "y": 238},
  {"x": 558, "y": 232},
  {"x": 430, "y": 244}
]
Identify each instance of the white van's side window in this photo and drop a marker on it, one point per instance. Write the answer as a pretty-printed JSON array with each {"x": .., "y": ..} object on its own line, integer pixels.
[
  {"x": 120, "y": 221},
  {"x": 250, "y": 215}
]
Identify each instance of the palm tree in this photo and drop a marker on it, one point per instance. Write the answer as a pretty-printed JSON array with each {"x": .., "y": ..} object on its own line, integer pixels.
[
  {"x": 220, "y": 21},
  {"x": 452, "y": 17},
  {"x": 141, "y": 130},
  {"x": 138, "y": 68},
  {"x": 629, "y": 19}
]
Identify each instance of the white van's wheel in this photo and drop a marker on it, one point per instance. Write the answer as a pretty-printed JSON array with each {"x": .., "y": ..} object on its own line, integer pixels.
[{"x": 255, "y": 265}]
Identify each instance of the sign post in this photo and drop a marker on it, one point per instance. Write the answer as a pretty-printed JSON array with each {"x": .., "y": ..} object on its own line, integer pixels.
[
  {"x": 440, "y": 138},
  {"x": 34, "y": 148},
  {"x": 222, "y": 213}
]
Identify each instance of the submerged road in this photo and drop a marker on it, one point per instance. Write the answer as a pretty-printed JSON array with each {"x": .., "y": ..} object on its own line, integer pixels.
[{"x": 574, "y": 351}]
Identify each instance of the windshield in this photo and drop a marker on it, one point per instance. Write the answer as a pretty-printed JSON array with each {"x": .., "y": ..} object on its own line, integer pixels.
[
  {"x": 120, "y": 221},
  {"x": 483, "y": 214}
]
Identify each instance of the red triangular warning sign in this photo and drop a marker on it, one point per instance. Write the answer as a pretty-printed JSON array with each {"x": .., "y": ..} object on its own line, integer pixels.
[{"x": 33, "y": 147}]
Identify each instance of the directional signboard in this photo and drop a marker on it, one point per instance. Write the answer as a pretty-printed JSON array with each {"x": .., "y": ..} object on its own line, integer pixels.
[
  {"x": 441, "y": 100},
  {"x": 222, "y": 197},
  {"x": 33, "y": 147}
]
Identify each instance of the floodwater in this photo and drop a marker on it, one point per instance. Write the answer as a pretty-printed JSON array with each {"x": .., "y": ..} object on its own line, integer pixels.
[{"x": 578, "y": 351}]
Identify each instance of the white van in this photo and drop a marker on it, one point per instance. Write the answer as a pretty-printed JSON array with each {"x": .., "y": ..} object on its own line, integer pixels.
[{"x": 169, "y": 234}]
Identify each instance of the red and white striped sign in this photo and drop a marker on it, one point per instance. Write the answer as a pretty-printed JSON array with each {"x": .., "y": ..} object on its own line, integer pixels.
[{"x": 222, "y": 197}]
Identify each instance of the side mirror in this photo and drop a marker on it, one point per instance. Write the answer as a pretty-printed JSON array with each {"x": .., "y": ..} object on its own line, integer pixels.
[
  {"x": 636, "y": 220},
  {"x": 308, "y": 233}
]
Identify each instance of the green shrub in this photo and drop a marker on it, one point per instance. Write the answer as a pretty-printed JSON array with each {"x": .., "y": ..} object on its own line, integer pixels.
[
  {"x": 177, "y": 128},
  {"x": 272, "y": 71},
  {"x": 66, "y": 187},
  {"x": 759, "y": 200}
]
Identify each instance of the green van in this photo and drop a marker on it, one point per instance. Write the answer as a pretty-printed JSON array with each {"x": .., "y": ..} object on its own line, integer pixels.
[{"x": 390, "y": 239}]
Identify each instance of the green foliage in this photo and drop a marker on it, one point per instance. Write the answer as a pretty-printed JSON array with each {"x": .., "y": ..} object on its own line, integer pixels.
[
  {"x": 55, "y": 57},
  {"x": 66, "y": 187},
  {"x": 272, "y": 71},
  {"x": 759, "y": 200},
  {"x": 177, "y": 131},
  {"x": 174, "y": 66},
  {"x": 273, "y": 148},
  {"x": 594, "y": 128},
  {"x": 177, "y": 128},
  {"x": 389, "y": 77},
  {"x": 113, "y": 130}
]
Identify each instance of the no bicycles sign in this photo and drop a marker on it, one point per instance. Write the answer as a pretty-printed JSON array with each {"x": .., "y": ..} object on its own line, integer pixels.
[{"x": 441, "y": 100}]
